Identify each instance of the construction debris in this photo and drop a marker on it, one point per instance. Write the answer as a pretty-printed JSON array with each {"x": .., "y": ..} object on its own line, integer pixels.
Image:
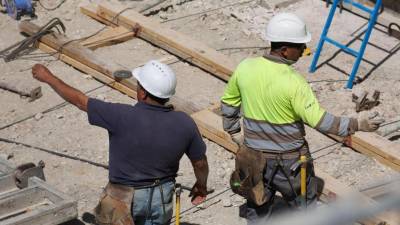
[
  {"x": 362, "y": 101},
  {"x": 27, "y": 200},
  {"x": 23, "y": 89}
]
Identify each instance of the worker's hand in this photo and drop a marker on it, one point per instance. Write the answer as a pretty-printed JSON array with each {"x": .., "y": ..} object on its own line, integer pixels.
[
  {"x": 237, "y": 138},
  {"x": 369, "y": 125},
  {"x": 41, "y": 73},
  {"x": 198, "y": 194}
]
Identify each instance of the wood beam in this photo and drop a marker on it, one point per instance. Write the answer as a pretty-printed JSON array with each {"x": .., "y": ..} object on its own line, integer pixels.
[
  {"x": 91, "y": 11},
  {"x": 74, "y": 52},
  {"x": 94, "y": 73},
  {"x": 170, "y": 40},
  {"x": 210, "y": 126},
  {"x": 109, "y": 36},
  {"x": 375, "y": 146}
]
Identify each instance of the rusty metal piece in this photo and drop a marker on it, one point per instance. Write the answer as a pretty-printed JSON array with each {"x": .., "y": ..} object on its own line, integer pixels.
[
  {"x": 15, "y": 50},
  {"x": 363, "y": 103},
  {"x": 122, "y": 74},
  {"x": 393, "y": 32},
  {"x": 25, "y": 171}
]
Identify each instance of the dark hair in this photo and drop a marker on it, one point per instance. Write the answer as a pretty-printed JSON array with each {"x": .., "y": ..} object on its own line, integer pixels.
[
  {"x": 161, "y": 101},
  {"x": 279, "y": 45}
]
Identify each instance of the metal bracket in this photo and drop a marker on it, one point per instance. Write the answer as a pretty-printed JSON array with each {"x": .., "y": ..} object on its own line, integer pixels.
[
  {"x": 363, "y": 103},
  {"x": 13, "y": 51},
  {"x": 25, "y": 171},
  {"x": 393, "y": 32}
]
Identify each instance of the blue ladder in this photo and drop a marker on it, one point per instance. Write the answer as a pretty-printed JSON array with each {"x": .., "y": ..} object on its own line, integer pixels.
[{"x": 359, "y": 55}]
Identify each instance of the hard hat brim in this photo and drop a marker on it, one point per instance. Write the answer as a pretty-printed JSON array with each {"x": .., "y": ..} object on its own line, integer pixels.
[
  {"x": 302, "y": 40},
  {"x": 136, "y": 72}
]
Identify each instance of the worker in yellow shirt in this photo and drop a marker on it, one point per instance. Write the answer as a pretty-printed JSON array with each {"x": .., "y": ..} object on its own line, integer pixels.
[{"x": 276, "y": 102}]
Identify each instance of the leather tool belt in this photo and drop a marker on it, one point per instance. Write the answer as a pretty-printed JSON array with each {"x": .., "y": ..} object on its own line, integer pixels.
[
  {"x": 115, "y": 204},
  {"x": 247, "y": 180}
]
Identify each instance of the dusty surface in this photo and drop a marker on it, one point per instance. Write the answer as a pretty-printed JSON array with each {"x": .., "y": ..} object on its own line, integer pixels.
[{"x": 66, "y": 129}]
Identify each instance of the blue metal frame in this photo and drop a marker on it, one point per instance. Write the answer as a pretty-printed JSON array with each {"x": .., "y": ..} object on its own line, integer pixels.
[
  {"x": 15, "y": 8},
  {"x": 359, "y": 55}
]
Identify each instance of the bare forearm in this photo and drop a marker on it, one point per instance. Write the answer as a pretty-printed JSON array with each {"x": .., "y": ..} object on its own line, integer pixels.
[
  {"x": 200, "y": 168},
  {"x": 68, "y": 93}
]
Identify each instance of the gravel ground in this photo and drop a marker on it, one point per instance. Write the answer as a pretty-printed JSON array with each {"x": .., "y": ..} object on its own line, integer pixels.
[{"x": 66, "y": 129}]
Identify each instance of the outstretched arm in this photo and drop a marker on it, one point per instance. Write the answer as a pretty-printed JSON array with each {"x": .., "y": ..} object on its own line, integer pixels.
[
  {"x": 67, "y": 92},
  {"x": 344, "y": 126},
  {"x": 199, "y": 190},
  {"x": 308, "y": 109}
]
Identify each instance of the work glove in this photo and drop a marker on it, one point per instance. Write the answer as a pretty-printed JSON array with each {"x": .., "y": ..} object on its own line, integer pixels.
[
  {"x": 237, "y": 138},
  {"x": 369, "y": 125}
]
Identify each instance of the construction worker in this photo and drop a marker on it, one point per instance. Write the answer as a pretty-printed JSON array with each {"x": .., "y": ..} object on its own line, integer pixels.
[
  {"x": 147, "y": 141},
  {"x": 276, "y": 102}
]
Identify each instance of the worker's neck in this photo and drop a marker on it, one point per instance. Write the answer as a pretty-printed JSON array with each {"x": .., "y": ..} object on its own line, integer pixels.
[
  {"x": 150, "y": 101},
  {"x": 274, "y": 53},
  {"x": 279, "y": 58}
]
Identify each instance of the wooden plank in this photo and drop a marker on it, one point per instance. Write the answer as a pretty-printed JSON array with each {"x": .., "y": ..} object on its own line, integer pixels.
[
  {"x": 210, "y": 126},
  {"x": 172, "y": 41},
  {"x": 375, "y": 146},
  {"x": 91, "y": 11},
  {"x": 88, "y": 58},
  {"x": 109, "y": 36},
  {"x": 94, "y": 73},
  {"x": 378, "y": 191},
  {"x": 71, "y": 49}
]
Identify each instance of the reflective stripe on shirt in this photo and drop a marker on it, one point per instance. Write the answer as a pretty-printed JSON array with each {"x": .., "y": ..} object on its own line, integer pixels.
[{"x": 273, "y": 137}]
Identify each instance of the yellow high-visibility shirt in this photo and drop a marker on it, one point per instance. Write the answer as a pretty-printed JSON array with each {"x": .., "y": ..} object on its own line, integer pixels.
[{"x": 272, "y": 92}]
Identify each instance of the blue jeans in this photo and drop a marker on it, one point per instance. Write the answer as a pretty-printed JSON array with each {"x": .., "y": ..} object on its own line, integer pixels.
[{"x": 156, "y": 215}]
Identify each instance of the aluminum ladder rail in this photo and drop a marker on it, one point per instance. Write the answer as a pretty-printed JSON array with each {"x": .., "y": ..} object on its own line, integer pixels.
[{"x": 358, "y": 54}]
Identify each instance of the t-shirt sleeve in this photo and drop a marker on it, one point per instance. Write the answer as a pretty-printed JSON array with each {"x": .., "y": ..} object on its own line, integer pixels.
[
  {"x": 306, "y": 105},
  {"x": 232, "y": 95},
  {"x": 103, "y": 114},
  {"x": 197, "y": 147}
]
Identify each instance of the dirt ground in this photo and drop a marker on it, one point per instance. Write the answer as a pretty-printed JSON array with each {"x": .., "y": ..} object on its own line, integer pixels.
[{"x": 237, "y": 31}]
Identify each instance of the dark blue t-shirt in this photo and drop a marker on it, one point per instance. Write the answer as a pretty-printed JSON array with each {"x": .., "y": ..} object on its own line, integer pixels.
[{"x": 146, "y": 141}]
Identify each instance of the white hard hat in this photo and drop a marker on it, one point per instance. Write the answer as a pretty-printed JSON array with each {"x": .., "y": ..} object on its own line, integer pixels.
[
  {"x": 156, "y": 78},
  {"x": 287, "y": 27}
]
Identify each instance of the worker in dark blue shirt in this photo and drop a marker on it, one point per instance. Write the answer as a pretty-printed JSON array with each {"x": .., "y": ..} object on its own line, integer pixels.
[{"x": 147, "y": 141}]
